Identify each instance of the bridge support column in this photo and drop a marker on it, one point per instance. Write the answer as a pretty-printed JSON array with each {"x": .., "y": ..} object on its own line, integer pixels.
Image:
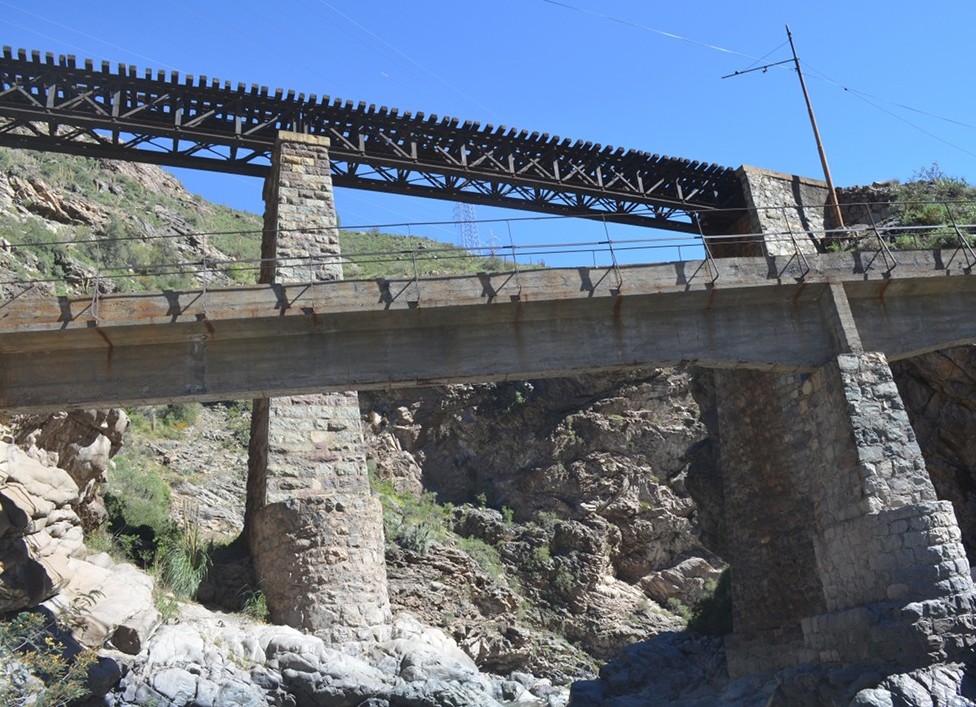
[
  {"x": 840, "y": 550},
  {"x": 315, "y": 530}
]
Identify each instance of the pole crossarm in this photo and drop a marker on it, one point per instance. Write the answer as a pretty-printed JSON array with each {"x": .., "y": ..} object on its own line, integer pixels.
[{"x": 60, "y": 104}]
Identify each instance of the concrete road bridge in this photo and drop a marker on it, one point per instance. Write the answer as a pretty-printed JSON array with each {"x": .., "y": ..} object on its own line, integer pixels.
[
  {"x": 840, "y": 549},
  {"x": 292, "y": 339}
]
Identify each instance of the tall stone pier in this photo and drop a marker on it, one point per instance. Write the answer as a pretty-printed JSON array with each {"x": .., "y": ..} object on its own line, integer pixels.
[
  {"x": 315, "y": 530},
  {"x": 839, "y": 548}
]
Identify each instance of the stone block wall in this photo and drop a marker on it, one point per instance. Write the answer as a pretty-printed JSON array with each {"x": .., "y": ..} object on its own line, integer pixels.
[
  {"x": 761, "y": 435},
  {"x": 867, "y": 205},
  {"x": 874, "y": 542},
  {"x": 823, "y": 471},
  {"x": 783, "y": 209},
  {"x": 323, "y": 562},
  {"x": 317, "y": 532},
  {"x": 301, "y": 241},
  {"x": 315, "y": 445}
]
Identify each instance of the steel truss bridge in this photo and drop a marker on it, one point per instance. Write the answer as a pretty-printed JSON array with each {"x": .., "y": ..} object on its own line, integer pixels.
[{"x": 62, "y": 105}]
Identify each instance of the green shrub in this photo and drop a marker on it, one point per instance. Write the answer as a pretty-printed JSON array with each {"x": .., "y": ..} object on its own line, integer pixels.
[
  {"x": 564, "y": 582},
  {"x": 36, "y": 668},
  {"x": 415, "y": 537},
  {"x": 255, "y": 605},
  {"x": 541, "y": 555},
  {"x": 932, "y": 198},
  {"x": 181, "y": 415},
  {"x": 547, "y": 520},
  {"x": 713, "y": 614},
  {"x": 485, "y": 556},
  {"x": 137, "y": 498},
  {"x": 410, "y": 522},
  {"x": 166, "y": 421},
  {"x": 184, "y": 559},
  {"x": 676, "y": 606},
  {"x": 239, "y": 422}
]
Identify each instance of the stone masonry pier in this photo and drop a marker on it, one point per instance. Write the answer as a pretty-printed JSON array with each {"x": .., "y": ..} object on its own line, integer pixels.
[
  {"x": 840, "y": 550},
  {"x": 314, "y": 528}
]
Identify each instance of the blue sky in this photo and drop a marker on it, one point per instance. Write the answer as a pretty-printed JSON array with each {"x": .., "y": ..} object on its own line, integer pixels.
[{"x": 891, "y": 86}]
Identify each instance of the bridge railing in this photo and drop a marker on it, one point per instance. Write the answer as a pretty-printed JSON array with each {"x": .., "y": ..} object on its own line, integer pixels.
[{"x": 66, "y": 265}]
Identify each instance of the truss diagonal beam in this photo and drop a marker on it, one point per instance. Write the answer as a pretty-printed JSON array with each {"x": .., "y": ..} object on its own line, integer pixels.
[{"x": 59, "y": 104}]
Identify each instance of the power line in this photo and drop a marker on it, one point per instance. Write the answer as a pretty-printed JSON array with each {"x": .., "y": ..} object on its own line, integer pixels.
[
  {"x": 404, "y": 55},
  {"x": 646, "y": 28},
  {"x": 917, "y": 127},
  {"x": 864, "y": 94}
]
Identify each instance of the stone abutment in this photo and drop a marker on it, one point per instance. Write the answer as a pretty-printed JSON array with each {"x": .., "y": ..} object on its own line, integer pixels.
[{"x": 840, "y": 550}]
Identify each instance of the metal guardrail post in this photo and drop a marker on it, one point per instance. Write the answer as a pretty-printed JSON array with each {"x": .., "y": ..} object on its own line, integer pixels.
[
  {"x": 613, "y": 257},
  {"x": 511, "y": 243},
  {"x": 709, "y": 258},
  {"x": 890, "y": 261},
  {"x": 416, "y": 274},
  {"x": 797, "y": 253},
  {"x": 962, "y": 243}
]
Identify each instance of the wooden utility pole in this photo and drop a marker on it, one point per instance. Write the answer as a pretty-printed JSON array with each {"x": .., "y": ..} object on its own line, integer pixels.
[{"x": 816, "y": 134}]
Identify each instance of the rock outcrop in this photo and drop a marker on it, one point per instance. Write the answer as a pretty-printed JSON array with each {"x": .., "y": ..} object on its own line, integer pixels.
[
  {"x": 81, "y": 443},
  {"x": 39, "y": 531},
  {"x": 42, "y": 550},
  {"x": 598, "y": 531},
  {"x": 218, "y": 660}
]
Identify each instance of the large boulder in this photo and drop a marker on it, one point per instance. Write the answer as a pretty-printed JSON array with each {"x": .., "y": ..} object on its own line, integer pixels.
[
  {"x": 39, "y": 530},
  {"x": 107, "y": 604},
  {"x": 217, "y": 660}
]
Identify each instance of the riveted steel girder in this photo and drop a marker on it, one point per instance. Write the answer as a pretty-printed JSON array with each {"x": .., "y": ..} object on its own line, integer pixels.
[{"x": 60, "y": 104}]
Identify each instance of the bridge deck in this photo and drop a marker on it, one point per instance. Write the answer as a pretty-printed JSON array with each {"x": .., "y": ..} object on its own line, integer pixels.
[
  {"x": 55, "y": 104},
  {"x": 274, "y": 339}
]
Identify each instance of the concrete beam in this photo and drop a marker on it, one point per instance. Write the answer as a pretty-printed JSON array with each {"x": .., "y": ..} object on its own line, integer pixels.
[{"x": 274, "y": 339}]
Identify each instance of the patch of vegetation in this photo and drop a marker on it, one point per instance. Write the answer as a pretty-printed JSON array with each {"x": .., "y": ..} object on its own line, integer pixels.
[
  {"x": 37, "y": 667},
  {"x": 485, "y": 555},
  {"x": 238, "y": 416},
  {"x": 372, "y": 254},
  {"x": 539, "y": 559},
  {"x": 164, "y": 421},
  {"x": 141, "y": 529},
  {"x": 676, "y": 606},
  {"x": 137, "y": 499},
  {"x": 410, "y": 522},
  {"x": 932, "y": 198},
  {"x": 563, "y": 581},
  {"x": 508, "y": 516},
  {"x": 547, "y": 520},
  {"x": 713, "y": 614},
  {"x": 255, "y": 604},
  {"x": 183, "y": 558},
  {"x": 172, "y": 237}
]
